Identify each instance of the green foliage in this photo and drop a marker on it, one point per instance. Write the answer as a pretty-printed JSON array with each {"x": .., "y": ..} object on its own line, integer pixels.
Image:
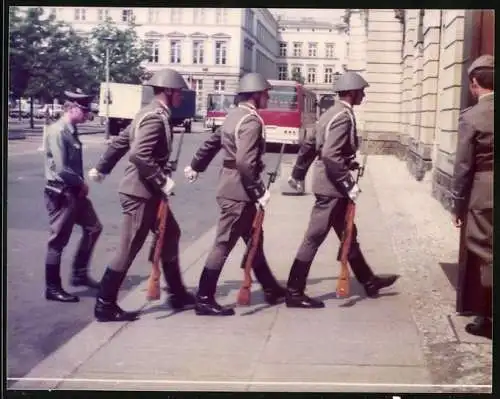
[{"x": 297, "y": 76}]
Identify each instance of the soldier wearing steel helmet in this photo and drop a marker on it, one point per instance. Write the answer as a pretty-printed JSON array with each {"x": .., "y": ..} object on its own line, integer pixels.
[
  {"x": 147, "y": 178},
  {"x": 241, "y": 136},
  {"x": 334, "y": 144},
  {"x": 472, "y": 190}
]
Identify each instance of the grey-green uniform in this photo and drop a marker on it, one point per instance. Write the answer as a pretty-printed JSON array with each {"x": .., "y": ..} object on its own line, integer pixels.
[
  {"x": 67, "y": 203},
  {"x": 333, "y": 145},
  {"x": 149, "y": 141},
  {"x": 242, "y": 139}
]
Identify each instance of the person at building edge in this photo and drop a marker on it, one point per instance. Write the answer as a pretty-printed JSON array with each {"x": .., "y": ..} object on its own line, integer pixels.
[
  {"x": 66, "y": 199},
  {"x": 240, "y": 188},
  {"x": 334, "y": 144},
  {"x": 473, "y": 183},
  {"x": 147, "y": 180}
]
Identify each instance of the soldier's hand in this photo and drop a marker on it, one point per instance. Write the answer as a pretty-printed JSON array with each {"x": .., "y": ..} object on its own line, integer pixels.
[
  {"x": 168, "y": 188},
  {"x": 297, "y": 185},
  {"x": 95, "y": 175},
  {"x": 457, "y": 221},
  {"x": 354, "y": 192},
  {"x": 190, "y": 174},
  {"x": 84, "y": 190},
  {"x": 264, "y": 199}
]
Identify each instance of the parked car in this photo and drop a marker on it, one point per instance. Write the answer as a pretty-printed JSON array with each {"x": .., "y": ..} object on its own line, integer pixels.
[{"x": 53, "y": 110}]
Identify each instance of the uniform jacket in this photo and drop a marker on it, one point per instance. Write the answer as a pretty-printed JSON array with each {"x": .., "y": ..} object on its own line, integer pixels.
[
  {"x": 242, "y": 139},
  {"x": 63, "y": 154},
  {"x": 334, "y": 143},
  {"x": 473, "y": 171},
  {"x": 150, "y": 140}
]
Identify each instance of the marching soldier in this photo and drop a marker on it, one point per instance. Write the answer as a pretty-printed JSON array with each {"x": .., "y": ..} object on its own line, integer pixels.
[
  {"x": 473, "y": 183},
  {"x": 147, "y": 179},
  {"x": 240, "y": 188},
  {"x": 66, "y": 199},
  {"x": 335, "y": 144}
]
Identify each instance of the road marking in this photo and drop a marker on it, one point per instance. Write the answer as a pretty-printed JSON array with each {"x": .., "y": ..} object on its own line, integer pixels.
[{"x": 264, "y": 383}]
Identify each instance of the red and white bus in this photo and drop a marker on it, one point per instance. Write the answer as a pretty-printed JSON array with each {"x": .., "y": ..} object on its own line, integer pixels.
[
  {"x": 218, "y": 104},
  {"x": 291, "y": 111}
]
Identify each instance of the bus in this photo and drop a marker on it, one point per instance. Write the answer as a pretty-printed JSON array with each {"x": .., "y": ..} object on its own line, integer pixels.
[
  {"x": 218, "y": 104},
  {"x": 290, "y": 113}
]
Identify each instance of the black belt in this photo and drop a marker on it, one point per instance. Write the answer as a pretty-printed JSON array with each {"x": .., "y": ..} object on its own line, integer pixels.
[{"x": 229, "y": 164}]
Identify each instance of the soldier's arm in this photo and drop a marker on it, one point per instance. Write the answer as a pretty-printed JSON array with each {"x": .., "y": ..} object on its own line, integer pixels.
[
  {"x": 141, "y": 151},
  {"x": 115, "y": 151},
  {"x": 207, "y": 152},
  {"x": 464, "y": 165},
  {"x": 331, "y": 154},
  {"x": 60, "y": 163},
  {"x": 305, "y": 157},
  {"x": 247, "y": 157}
]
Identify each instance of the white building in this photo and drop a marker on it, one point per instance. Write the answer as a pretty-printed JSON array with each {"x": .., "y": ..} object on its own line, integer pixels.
[
  {"x": 316, "y": 50},
  {"x": 211, "y": 47}
]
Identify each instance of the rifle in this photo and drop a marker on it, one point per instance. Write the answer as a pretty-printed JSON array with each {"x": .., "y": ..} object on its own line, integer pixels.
[
  {"x": 153, "y": 291},
  {"x": 253, "y": 243},
  {"x": 342, "y": 289}
]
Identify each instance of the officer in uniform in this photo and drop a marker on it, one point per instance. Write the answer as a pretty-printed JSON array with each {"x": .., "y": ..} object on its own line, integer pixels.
[
  {"x": 146, "y": 181},
  {"x": 66, "y": 199},
  {"x": 240, "y": 188},
  {"x": 334, "y": 143},
  {"x": 473, "y": 183}
]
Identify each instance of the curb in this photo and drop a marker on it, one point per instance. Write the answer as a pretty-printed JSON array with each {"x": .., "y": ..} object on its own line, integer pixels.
[{"x": 64, "y": 362}]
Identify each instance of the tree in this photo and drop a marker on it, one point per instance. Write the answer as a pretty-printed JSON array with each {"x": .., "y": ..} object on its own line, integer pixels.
[{"x": 297, "y": 76}]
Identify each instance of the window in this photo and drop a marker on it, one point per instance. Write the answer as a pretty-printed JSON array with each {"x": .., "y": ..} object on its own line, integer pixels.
[
  {"x": 153, "y": 15},
  {"x": 311, "y": 75},
  {"x": 80, "y": 14},
  {"x": 198, "y": 15},
  {"x": 313, "y": 50},
  {"x": 249, "y": 15},
  {"x": 297, "y": 49},
  {"x": 198, "y": 52},
  {"x": 198, "y": 85},
  {"x": 283, "y": 49},
  {"x": 175, "y": 51},
  {"x": 102, "y": 14},
  {"x": 220, "y": 16},
  {"x": 219, "y": 85},
  {"x": 330, "y": 50},
  {"x": 220, "y": 53},
  {"x": 283, "y": 97},
  {"x": 175, "y": 15},
  {"x": 283, "y": 72},
  {"x": 296, "y": 70},
  {"x": 153, "y": 47},
  {"x": 127, "y": 15},
  {"x": 328, "y": 75}
]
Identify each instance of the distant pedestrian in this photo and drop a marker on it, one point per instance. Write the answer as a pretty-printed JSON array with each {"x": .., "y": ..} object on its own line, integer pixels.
[
  {"x": 473, "y": 187},
  {"x": 66, "y": 199}
]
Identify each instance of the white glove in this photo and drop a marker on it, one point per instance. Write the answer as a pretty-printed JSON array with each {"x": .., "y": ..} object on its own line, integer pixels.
[
  {"x": 168, "y": 188},
  {"x": 297, "y": 185},
  {"x": 264, "y": 199},
  {"x": 96, "y": 176},
  {"x": 354, "y": 192},
  {"x": 190, "y": 174}
]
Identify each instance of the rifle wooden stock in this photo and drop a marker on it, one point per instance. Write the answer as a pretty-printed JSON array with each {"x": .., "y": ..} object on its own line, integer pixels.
[
  {"x": 244, "y": 294},
  {"x": 343, "y": 279},
  {"x": 155, "y": 254}
]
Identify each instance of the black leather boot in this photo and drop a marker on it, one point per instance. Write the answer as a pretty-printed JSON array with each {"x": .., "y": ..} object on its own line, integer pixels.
[
  {"x": 106, "y": 308},
  {"x": 376, "y": 283},
  {"x": 295, "y": 297},
  {"x": 80, "y": 275},
  {"x": 205, "y": 298},
  {"x": 273, "y": 292},
  {"x": 483, "y": 325},
  {"x": 179, "y": 298},
  {"x": 53, "y": 290}
]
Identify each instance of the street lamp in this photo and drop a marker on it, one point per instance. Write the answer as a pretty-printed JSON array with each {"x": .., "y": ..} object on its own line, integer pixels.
[{"x": 107, "y": 98}]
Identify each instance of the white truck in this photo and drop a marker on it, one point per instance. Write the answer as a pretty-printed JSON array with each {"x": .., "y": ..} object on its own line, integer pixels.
[{"x": 125, "y": 100}]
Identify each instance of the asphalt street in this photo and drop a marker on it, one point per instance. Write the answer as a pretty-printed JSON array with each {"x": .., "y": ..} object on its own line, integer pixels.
[{"x": 36, "y": 328}]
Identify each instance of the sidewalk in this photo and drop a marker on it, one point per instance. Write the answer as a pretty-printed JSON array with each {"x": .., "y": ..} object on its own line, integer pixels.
[{"x": 400, "y": 342}]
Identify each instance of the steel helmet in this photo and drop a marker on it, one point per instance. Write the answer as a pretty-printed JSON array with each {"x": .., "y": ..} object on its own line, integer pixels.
[
  {"x": 349, "y": 81},
  {"x": 253, "y": 82},
  {"x": 168, "y": 79},
  {"x": 484, "y": 61}
]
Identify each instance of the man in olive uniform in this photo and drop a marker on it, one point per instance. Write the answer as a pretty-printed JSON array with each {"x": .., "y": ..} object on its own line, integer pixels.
[
  {"x": 473, "y": 183},
  {"x": 146, "y": 181},
  {"x": 66, "y": 199},
  {"x": 240, "y": 189},
  {"x": 334, "y": 143}
]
